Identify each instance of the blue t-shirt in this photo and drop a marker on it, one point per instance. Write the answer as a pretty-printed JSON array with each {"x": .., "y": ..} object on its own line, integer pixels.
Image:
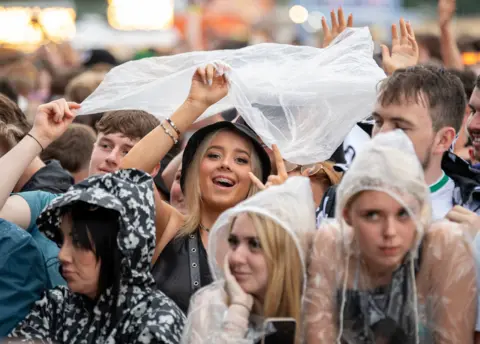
[
  {"x": 23, "y": 279},
  {"x": 37, "y": 201}
]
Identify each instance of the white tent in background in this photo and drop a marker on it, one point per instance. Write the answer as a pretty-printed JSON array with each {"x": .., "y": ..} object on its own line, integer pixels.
[{"x": 93, "y": 32}]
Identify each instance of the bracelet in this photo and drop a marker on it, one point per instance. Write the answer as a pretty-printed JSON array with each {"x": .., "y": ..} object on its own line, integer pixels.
[
  {"x": 175, "y": 141},
  {"x": 174, "y": 126},
  {"x": 28, "y": 134}
]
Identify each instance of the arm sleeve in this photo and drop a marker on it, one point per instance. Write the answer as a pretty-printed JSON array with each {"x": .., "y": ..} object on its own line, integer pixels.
[
  {"x": 453, "y": 287},
  {"x": 320, "y": 299},
  {"x": 211, "y": 321},
  {"x": 23, "y": 279},
  {"x": 37, "y": 201}
]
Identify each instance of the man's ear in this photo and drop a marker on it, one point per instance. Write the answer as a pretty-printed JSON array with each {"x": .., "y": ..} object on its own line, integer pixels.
[
  {"x": 444, "y": 140},
  {"x": 155, "y": 170}
]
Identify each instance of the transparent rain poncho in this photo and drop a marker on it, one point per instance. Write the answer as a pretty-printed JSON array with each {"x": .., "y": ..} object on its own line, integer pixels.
[
  {"x": 289, "y": 205},
  {"x": 430, "y": 297},
  {"x": 304, "y": 99}
]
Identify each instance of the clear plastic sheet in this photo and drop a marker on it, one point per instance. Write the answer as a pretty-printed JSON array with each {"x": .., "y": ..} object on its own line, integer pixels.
[
  {"x": 430, "y": 297},
  {"x": 291, "y": 206},
  {"x": 304, "y": 99}
]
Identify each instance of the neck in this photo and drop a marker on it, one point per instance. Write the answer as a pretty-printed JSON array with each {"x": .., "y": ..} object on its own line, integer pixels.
[
  {"x": 434, "y": 171},
  {"x": 33, "y": 168},
  {"x": 209, "y": 217},
  {"x": 379, "y": 277}
]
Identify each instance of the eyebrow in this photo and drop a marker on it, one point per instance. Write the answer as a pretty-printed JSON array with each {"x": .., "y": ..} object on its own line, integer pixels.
[
  {"x": 238, "y": 150},
  {"x": 394, "y": 119}
]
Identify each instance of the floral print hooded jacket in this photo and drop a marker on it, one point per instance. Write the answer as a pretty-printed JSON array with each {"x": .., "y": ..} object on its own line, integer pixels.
[{"x": 144, "y": 314}]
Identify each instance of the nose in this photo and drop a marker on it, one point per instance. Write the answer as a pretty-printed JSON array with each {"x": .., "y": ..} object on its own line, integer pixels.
[
  {"x": 65, "y": 254},
  {"x": 113, "y": 158},
  {"x": 390, "y": 228},
  {"x": 238, "y": 255},
  {"x": 226, "y": 163}
]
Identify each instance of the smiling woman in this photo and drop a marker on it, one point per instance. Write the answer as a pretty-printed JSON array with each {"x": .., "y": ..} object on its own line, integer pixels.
[{"x": 215, "y": 177}]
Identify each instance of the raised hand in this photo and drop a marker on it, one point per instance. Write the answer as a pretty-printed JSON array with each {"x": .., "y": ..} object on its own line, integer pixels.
[
  {"x": 209, "y": 85},
  {"x": 52, "y": 120},
  {"x": 273, "y": 179},
  {"x": 337, "y": 26},
  {"x": 405, "y": 51},
  {"x": 446, "y": 11},
  {"x": 235, "y": 292}
]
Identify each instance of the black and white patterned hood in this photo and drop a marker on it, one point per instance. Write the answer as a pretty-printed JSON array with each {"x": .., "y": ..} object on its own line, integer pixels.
[{"x": 130, "y": 193}]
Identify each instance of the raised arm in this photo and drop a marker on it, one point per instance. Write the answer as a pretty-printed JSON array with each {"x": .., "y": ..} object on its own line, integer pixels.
[
  {"x": 209, "y": 85},
  {"x": 451, "y": 55},
  {"x": 51, "y": 121}
]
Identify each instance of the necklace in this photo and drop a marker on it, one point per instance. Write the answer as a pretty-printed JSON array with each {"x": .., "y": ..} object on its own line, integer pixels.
[{"x": 205, "y": 228}]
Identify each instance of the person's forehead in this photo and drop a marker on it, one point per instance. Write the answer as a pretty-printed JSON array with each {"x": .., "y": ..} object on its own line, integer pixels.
[
  {"x": 117, "y": 138},
  {"x": 410, "y": 111}
]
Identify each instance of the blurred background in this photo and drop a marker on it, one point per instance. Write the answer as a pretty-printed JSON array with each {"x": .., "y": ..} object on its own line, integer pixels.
[{"x": 46, "y": 46}]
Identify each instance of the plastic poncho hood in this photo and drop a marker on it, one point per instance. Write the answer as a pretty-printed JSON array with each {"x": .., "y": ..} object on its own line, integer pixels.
[
  {"x": 137, "y": 312},
  {"x": 291, "y": 206}
]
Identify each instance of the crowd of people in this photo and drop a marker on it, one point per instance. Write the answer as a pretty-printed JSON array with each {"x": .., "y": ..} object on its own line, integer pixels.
[{"x": 126, "y": 226}]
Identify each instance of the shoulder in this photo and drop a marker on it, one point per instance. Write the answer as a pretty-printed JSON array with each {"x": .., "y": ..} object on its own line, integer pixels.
[
  {"x": 328, "y": 234},
  {"x": 43, "y": 198},
  {"x": 445, "y": 240},
  {"x": 160, "y": 320}
]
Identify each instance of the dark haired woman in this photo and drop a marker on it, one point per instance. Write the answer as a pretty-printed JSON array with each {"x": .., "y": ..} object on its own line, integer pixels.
[{"x": 106, "y": 228}]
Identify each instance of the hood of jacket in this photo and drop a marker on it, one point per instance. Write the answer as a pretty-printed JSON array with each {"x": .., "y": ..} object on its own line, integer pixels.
[{"x": 130, "y": 193}]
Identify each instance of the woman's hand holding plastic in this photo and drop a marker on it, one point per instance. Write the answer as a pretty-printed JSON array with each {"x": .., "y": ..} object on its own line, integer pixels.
[
  {"x": 274, "y": 179},
  {"x": 235, "y": 292},
  {"x": 209, "y": 85},
  {"x": 405, "y": 52},
  {"x": 52, "y": 120},
  {"x": 337, "y": 26}
]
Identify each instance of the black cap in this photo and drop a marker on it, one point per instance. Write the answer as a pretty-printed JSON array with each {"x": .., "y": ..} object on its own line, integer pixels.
[{"x": 242, "y": 130}]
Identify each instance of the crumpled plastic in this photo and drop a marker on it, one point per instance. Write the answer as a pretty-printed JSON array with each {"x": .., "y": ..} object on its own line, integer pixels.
[{"x": 304, "y": 99}]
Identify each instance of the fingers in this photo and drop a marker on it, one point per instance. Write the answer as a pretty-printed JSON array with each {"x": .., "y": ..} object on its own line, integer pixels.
[
  {"x": 350, "y": 21},
  {"x": 341, "y": 19},
  {"x": 458, "y": 217},
  {"x": 257, "y": 182},
  {"x": 202, "y": 73},
  {"x": 395, "y": 39},
  {"x": 210, "y": 70},
  {"x": 385, "y": 52},
  {"x": 462, "y": 210},
  {"x": 325, "y": 28},
  {"x": 333, "y": 18},
  {"x": 403, "y": 32},
  {"x": 281, "y": 169}
]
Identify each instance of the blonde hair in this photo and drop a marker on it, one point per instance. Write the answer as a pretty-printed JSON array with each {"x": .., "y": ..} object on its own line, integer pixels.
[
  {"x": 192, "y": 192},
  {"x": 283, "y": 296}
]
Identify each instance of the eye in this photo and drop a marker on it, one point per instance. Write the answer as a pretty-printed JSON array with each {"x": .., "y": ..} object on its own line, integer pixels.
[
  {"x": 105, "y": 146},
  {"x": 233, "y": 241},
  {"x": 125, "y": 152},
  {"x": 403, "y": 214},
  {"x": 213, "y": 156},
  {"x": 372, "y": 215},
  {"x": 242, "y": 161},
  {"x": 177, "y": 176},
  {"x": 378, "y": 122},
  {"x": 254, "y": 244}
]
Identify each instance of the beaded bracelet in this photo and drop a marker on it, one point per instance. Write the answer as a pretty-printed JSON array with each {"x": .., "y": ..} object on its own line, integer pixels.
[
  {"x": 175, "y": 141},
  {"x": 174, "y": 126}
]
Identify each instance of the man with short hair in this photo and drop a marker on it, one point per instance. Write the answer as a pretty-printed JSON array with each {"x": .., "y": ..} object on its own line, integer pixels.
[{"x": 428, "y": 103}]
